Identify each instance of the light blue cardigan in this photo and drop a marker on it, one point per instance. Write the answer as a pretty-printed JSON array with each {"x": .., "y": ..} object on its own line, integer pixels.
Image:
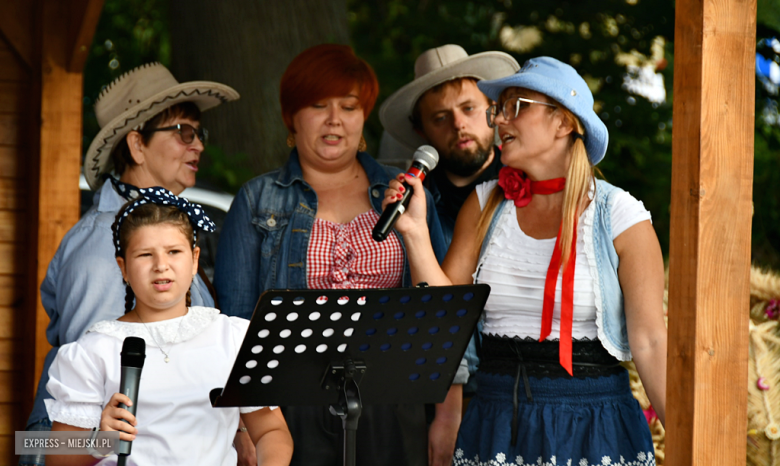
[{"x": 603, "y": 264}]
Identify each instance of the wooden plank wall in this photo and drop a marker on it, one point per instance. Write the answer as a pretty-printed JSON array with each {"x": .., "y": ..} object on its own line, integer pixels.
[
  {"x": 43, "y": 46},
  {"x": 15, "y": 90},
  {"x": 709, "y": 260}
]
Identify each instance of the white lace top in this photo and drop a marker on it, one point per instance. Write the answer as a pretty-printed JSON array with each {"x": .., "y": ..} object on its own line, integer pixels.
[
  {"x": 515, "y": 267},
  {"x": 176, "y": 423}
]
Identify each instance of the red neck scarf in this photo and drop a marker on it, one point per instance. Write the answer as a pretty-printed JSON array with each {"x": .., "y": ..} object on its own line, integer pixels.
[{"x": 518, "y": 187}]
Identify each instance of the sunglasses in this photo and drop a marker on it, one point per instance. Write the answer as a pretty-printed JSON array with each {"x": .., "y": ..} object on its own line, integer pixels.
[
  {"x": 511, "y": 108},
  {"x": 186, "y": 132}
]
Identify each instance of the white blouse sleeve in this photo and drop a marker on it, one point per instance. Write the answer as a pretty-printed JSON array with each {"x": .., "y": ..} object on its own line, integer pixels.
[
  {"x": 626, "y": 211},
  {"x": 484, "y": 190},
  {"x": 77, "y": 386},
  {"x": 239, "y": 326}
]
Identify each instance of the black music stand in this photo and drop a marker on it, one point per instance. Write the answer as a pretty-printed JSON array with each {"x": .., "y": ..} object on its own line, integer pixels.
[{"x": 347, "y": 348}]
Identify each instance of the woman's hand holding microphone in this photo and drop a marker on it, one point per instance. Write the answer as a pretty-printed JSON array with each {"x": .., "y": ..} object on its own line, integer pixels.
[{"x": 412, "y": 224}]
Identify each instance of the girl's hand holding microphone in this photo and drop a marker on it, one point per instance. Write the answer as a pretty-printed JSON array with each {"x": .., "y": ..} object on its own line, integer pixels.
[{"x": 116, "y": 418}]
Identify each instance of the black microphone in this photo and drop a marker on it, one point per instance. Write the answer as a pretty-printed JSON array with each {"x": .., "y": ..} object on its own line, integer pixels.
[
  {"x": 133, "y": 355},
  {"x": 425, "y": 160}
]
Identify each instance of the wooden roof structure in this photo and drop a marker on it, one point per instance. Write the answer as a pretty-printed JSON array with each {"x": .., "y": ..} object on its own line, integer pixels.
[{"x": 43, "y": 47}]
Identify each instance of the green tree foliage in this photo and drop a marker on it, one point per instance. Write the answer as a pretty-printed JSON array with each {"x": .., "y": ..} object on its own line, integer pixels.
[{"x": 129, "y": 33}]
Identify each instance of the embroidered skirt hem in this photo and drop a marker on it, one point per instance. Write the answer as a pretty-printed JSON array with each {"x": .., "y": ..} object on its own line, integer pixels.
[{"x": 572, "y": 422}]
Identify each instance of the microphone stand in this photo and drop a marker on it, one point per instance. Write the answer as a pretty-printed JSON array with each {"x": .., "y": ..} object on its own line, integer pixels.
[{"x": 349, "y": 405}]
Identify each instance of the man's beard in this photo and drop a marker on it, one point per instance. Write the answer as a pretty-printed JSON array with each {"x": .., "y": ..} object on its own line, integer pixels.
[{"x": 466, "y": 162}]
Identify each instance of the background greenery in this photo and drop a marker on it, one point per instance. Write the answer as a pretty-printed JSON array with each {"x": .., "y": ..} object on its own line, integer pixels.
[{"x": 597, "y": 37}]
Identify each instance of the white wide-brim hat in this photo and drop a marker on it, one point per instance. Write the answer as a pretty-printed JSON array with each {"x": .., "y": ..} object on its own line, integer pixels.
[
  {"x": 432, "y": 68},
  {"x": 136, "y": 97}
]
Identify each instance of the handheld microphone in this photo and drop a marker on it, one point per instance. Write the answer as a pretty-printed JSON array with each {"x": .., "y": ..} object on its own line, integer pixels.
[
  {"x": 133, "y": 355},
  {"x": 425, "y": 160}
]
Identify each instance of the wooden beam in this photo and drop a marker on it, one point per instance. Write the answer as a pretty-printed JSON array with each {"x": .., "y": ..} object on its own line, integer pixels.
[
  {"x": 8, "y": 323},
  {"x": 11, "y": 193},
  {"x": 7, "y": 446},
  {"x": 10, "y": 352},
  {"x": 12, "y": 96},
  {"x": 9, "y": 162},
  {"x": 84, "y": 17},
  {"x": 709, "y": 260},
  {"x": 9, "y": 412},
  {"x": 11, "y": 258},
  {"x": 10, "y": 294},
  {"x": 10, "y": 129},
  {"x": 9, "y": 390},
  {"x": 55, "y": 199},
  {"x": 11, "y": 229},
  {"x": 17, "y": 27}
]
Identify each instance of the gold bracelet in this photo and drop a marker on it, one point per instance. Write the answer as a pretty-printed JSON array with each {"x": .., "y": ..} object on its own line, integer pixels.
[{"x": 242, "y": 429}]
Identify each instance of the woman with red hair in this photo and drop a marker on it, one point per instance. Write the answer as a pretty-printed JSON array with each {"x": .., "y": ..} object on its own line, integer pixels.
[{"x": 308, "y": 226}]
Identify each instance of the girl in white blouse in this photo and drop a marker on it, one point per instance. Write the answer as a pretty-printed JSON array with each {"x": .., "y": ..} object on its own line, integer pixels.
[
  {"x": 190, "y": 351},
  {"x": 577, "y": 280}
]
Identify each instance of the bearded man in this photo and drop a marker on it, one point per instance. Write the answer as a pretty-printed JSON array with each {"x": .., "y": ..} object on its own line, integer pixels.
[{"x": 444, "y": 108}]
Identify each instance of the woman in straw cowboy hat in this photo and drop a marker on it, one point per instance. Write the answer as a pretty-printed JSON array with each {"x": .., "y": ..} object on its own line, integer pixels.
[
  {"x": 150, "y": 136},
  {"x": 561, "y": 314},
  {"x": 308, "y": 226}
]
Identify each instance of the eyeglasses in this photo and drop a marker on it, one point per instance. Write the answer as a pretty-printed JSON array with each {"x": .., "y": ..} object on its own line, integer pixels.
[
  {"x": 187, "y": 132},
  {"x": 511, "y": 109}
]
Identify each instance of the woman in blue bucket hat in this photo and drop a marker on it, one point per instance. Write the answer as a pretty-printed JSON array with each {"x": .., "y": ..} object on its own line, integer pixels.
[{"x": 577, "y": 281}]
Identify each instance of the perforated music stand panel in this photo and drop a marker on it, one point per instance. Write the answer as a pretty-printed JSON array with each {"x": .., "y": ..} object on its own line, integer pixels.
[{"x": 410, "y": 339}]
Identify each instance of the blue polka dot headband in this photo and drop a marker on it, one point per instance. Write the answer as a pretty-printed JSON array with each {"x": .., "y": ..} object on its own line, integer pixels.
[{"x": 161, "y": 196}]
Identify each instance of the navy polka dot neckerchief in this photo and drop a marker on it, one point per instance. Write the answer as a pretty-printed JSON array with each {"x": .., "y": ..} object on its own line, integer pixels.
[
  {"x": 160, "y": 196},
  {"x": 126, "y": 190}
]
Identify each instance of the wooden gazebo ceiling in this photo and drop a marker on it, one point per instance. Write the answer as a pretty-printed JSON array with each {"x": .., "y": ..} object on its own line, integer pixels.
[{"x": 18, "y": 27}]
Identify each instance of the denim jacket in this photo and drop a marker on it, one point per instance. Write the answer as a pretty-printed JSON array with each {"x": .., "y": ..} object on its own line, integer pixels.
[
  {"x": 83, "y": 284},
  {"x": 603, "y": 264},
  {"x": 265, "y": 237}
]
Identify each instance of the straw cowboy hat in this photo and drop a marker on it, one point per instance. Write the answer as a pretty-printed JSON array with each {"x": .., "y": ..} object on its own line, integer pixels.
[
  {"x": 432, "y": 68},
  {"x": 136, "y": 97}
]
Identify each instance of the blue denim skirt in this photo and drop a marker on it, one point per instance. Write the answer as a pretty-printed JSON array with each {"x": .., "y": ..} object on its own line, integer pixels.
[{"x": 571, "y": 421}]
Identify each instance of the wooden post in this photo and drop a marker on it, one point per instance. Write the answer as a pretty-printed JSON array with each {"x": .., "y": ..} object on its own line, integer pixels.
[
  {"x": 57, "y": 186},
  {"x": 709, "y": 263}
]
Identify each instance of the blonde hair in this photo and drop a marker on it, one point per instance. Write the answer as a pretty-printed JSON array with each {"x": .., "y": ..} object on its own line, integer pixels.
[{"x": 579, "y": 176}]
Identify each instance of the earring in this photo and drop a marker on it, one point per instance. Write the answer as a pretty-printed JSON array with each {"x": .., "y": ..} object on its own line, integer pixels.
[
  {"x": 290, "y": 140},
  {"x": 362, "y": 144}
]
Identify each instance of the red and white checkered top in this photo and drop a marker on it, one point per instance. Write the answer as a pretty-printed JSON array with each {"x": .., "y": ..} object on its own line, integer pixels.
[{"x": 345, "y": 256}]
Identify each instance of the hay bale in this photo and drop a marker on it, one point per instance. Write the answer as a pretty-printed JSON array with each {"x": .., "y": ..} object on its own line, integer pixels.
[
  {"x": 656, "y": 429},
  {"x": 763, "y": 447},
  {"x": 763, "y": 371}
]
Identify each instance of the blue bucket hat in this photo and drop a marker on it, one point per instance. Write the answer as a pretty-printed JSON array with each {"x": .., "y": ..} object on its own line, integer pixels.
[{"x": 561, "y": 82}]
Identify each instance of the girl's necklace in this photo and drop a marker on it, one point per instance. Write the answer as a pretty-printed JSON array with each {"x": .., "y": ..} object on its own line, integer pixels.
[{"x": 165, "y": 353}]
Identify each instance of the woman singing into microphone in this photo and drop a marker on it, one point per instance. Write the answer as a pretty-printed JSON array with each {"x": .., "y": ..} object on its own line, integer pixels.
[
  {"x": 308, "y": 226},
  {"x": 577, "y": 282}
]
